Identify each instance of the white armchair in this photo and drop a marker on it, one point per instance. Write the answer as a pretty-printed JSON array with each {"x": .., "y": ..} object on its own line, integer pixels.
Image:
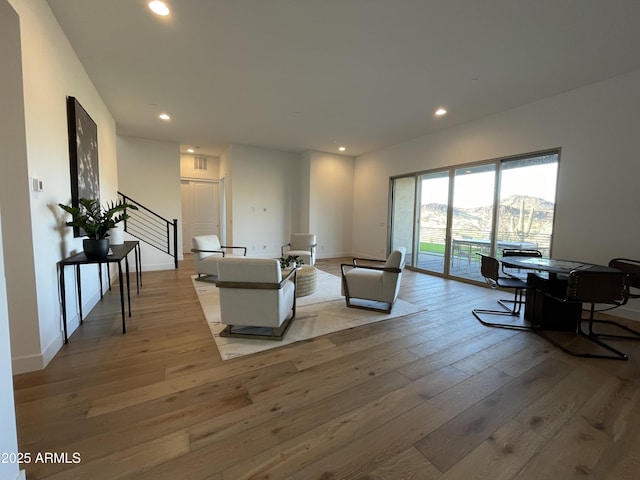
[
  {"x": 207, "y": 251},
  {"x": 255, "y": 301},
  {"x": 303, "y": 245},
  {"x": 376, "y": 284}
]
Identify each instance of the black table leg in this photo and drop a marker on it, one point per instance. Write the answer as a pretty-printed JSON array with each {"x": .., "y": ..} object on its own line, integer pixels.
[
  {"x": 138, "y": 254},
  {"x": 126, "y": 263},
  {"x": 124, "y": 328},
  {"x": 79, "y": 291},
  {"x": 100, "y": 278},
  {"x": 63, "y": 296}
]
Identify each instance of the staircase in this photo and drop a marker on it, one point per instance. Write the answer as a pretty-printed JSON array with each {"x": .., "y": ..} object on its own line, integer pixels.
[{"x": 151, "y": 228}]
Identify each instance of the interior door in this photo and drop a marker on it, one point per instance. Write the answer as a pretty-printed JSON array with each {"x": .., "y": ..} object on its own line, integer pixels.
[{"x": 200, "y": 210}]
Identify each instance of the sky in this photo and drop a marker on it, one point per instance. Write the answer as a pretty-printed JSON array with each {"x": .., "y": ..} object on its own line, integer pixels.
[{"x": 475, "y": 190}]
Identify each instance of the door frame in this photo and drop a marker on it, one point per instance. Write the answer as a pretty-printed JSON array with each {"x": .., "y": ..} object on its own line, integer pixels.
[{"x": 200, "y": 180}]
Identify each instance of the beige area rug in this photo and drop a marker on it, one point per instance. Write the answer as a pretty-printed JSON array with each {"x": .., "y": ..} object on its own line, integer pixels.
[{"x": 318, "y": 314}]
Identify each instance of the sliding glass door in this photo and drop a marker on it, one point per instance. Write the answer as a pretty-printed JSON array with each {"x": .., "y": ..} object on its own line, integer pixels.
[
  {"x": 432, "y": 221},
  {"x": 472, "y": 220},
  {"x": 446, "y": 218},
  {"x": 527, "y": 203}
]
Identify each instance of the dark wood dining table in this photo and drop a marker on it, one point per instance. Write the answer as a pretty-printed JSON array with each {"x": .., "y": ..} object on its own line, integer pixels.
[
  {"x": 548, "y": 280},
  {"x": 552, "y": 266}
]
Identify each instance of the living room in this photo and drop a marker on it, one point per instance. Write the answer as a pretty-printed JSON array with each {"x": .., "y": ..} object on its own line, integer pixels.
[{"x": 343, "y": 198}]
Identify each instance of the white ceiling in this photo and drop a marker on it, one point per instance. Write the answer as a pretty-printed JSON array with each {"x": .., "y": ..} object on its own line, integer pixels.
[{"x": 315, "y": 74}]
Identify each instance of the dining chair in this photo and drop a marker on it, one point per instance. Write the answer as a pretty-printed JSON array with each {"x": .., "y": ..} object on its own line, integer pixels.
[
  {"x": 592, "y": 287},
  {"x": 490, "y": 270},
  {"x": 632, "y": 269},
  {"x": 517, "y": 252}
]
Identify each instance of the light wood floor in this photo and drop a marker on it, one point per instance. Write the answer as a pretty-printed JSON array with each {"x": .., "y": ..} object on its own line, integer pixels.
[{"x": 435, "y": 395}]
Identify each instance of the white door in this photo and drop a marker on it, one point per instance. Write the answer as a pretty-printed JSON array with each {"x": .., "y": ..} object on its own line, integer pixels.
[{"x": 200, "y": 210}]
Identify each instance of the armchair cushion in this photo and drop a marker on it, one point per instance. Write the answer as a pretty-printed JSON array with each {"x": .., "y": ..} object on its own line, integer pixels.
[
  {"x": 303, "y": 245},
  {"x": 207, "y": 251}
]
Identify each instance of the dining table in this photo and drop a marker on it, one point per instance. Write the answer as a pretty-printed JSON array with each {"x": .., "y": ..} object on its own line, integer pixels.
[{"x": 547, "y": 278}]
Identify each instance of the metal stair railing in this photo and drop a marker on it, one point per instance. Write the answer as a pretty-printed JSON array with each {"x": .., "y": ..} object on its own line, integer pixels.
[{"x": 151, "y": 228}]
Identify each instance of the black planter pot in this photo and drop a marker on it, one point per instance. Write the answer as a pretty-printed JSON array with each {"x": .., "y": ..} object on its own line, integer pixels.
[{"x": 96, "y": 249}]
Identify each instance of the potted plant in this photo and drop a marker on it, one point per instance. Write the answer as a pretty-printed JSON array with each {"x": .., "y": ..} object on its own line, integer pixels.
[
  {"x": 290, "y": 262},
  {"x": 95, "y": 222}
]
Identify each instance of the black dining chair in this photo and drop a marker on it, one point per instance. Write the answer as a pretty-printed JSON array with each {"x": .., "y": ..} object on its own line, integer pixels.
[
  {"x": 632, "y": 269},
  {"x": 517, "y": 252},
  {"x": 490, "y": 270},
  {"x": 592, "y": 287}
]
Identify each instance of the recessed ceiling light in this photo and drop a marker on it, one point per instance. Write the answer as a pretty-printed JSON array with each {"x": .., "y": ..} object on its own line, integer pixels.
[
  {"x": 164, "y": 116},
  {"x": 159, "y": 8},
  {"x": 342, "y": 149},
  {"x": 440, "y": 112},
  {"x": 190, "y": 150}
]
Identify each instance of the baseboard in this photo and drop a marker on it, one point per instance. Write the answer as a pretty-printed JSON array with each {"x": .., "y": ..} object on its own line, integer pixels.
[
  {"x": 25, "y": 364},
  {"x": 329, "y": 256},
  {"x": 39, "y": 361},
  {"x": 155, "y": 267}
]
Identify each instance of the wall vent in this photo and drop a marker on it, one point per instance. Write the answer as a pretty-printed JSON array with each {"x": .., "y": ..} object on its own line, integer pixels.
[{"x": 199, "y": 163}]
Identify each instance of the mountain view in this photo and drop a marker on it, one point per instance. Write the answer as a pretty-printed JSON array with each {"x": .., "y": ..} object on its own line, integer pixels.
[{"x": 520, "y": 218}]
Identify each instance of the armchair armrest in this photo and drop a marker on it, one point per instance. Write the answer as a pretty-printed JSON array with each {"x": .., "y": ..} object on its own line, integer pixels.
[
  {"x": 199, "y": 250},
  {"x": 372, "y": 260},
  {"x": 369, "y": 267},
  {"x": 231, "y": 247},
  {"x": 311, "y": 247}
]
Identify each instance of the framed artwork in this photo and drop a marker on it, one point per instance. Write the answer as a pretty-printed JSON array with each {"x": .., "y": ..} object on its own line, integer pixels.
[{"x": 83, "y": 155}]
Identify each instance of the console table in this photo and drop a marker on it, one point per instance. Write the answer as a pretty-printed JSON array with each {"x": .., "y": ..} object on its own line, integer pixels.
[{"x": 117, "y": 255}]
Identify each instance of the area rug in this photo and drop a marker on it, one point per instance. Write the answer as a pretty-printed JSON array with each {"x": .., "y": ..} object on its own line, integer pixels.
[{"x": 318, "y": 314}]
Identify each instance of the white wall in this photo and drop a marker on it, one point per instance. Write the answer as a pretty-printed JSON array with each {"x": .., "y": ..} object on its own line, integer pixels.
[
  {"x": 275, "y": 193},
  {"x": 8, "y": 434},
  {"x": 264, "y": 186},
  {"x": 14, "y": 193},
  {"x": 12, "y": 139},
  {"x": 330, "y": 203},
  {"x": 301, "y": 207},
  {"x": 598, "y": 191},
  {"x": 149, "y": 173},
  {"x": 51, "y": 72},
  {"x": 187, "y": 171},
  {"x": 226, "y": 203}
]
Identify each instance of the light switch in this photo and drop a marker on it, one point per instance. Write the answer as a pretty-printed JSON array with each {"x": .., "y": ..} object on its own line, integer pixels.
[{"x": 36, "y": 185}]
